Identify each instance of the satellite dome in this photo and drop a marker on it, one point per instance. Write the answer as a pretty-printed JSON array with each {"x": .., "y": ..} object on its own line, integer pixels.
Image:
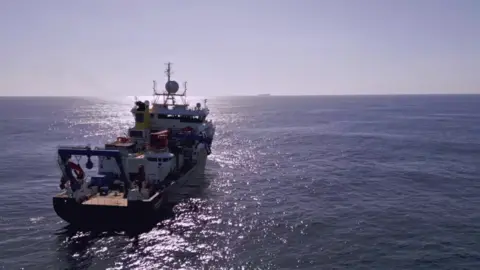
[
  {"x": 199, "y": 105},
  {"x": 171, "y": 87}
]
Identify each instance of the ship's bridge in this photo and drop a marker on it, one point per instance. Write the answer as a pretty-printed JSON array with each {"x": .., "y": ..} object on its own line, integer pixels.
[
  {"x": 167, "y": 114},
  {"x": 178, "y": 110}
]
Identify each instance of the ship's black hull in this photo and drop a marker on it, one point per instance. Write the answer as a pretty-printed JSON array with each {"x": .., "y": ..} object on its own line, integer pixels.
[{"x": 135, "y": 214}]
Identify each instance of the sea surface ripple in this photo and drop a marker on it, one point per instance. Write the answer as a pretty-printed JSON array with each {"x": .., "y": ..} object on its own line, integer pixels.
[{"x": 373, "y": 182}]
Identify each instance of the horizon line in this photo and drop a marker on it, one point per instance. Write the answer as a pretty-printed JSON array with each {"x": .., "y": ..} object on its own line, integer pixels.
[{"x": 263, "y": 95}]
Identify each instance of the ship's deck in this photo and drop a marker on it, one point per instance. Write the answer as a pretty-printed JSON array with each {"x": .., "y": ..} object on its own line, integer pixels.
[{"x": 112, "y": 199}]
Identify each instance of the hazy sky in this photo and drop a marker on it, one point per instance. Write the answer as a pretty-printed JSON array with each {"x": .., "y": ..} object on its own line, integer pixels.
[{"x": 232, "y": 47}]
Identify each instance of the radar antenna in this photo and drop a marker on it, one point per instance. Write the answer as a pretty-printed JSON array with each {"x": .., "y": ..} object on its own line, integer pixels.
[{"x": 171, "y": 89}]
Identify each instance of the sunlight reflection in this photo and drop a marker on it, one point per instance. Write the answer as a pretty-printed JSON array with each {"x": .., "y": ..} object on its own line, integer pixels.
[{"x": 206, "y": 232}]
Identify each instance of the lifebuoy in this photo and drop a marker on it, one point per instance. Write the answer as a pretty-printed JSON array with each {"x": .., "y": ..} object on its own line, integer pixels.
[{"x": 77, "y": 169}]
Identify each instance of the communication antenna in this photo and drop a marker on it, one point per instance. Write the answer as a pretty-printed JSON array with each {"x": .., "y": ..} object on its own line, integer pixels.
[
  {"x": 155, "y": 94},
  {"x": 168, "y": 71},
  {"x": 182, "y": 96}
]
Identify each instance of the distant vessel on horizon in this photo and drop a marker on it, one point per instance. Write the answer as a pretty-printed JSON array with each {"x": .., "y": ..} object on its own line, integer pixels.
[{"x": 263, "y": 95}]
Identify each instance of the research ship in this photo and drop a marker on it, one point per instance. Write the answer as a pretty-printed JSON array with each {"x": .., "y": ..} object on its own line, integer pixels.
[{"x": 168, "y": 145}]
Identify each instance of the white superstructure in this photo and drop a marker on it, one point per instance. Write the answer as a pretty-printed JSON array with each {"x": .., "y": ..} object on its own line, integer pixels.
[{"x": 166, "y": 112}]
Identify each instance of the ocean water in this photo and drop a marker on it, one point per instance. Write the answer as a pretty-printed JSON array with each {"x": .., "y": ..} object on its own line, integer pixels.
[{"x": 367, "y": 182}]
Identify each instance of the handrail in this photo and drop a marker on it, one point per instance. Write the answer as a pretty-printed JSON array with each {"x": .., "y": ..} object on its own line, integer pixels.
[{"x": 153, "y": 197}]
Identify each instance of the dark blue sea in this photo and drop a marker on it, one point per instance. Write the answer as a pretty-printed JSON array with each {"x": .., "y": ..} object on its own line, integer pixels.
[{"x": 344, "y": 182}]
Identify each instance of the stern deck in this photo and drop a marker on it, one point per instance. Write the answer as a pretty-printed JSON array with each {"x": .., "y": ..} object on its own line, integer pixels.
[{"x": 112, "y": 199}]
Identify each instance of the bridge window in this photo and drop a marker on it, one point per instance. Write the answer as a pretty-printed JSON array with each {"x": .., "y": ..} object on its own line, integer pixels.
[
  {"x": 183, "y": 118},
  {"x": 191, "y": 119}
]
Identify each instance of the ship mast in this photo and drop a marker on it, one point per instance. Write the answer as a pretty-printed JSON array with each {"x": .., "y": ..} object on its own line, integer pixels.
[
  {"x": 171, "y": 89},
  {"x": 168, "y": 71}
]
